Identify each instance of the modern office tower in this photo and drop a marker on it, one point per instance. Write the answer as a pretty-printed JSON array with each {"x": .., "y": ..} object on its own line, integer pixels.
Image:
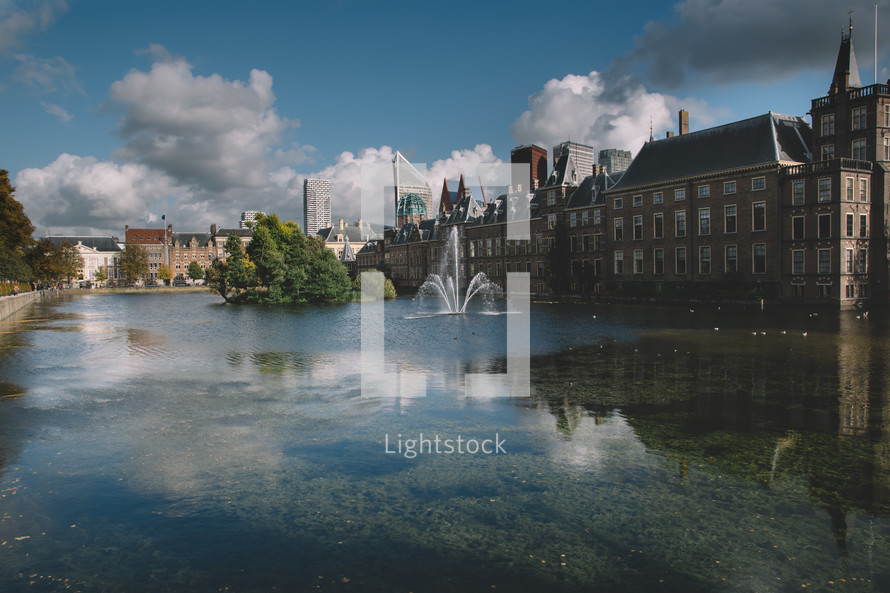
[
  {"x": 408, "y": 180},
  {"x": 316, "y": 205},
  {"x": 536, "y": 159},
  {"x": 248, "y": 217},
  {"x": 614, "y": 160},
  {"x": 582, "y": 154}
]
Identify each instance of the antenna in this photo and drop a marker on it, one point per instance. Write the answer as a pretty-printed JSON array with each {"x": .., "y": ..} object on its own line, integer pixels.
[{"x": 876, "y": 43}]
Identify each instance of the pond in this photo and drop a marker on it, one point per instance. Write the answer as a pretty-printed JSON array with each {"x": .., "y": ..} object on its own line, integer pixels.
[{"x": 168, "y": 442}]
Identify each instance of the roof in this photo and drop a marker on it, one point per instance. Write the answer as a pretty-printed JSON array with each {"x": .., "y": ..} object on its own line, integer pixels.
[
  {"x": 411, "y": 205},
  {"x": 347, "y": 255},
  {"x": 564, "y": 173},
  {"x": 769, "y": 138},
  {"x": 99, "y": 243},
  {"x": 186, "y": 238},
  {"x": 589, "y": 193},
  {"x": 846, "y": 71},
  {"x": 236, "y": 232}
]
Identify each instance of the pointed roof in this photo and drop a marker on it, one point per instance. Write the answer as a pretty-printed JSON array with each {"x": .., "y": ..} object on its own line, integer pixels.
[
  {"x": 347, "y": 255},
  {"x": 846, "y": 71},
  {"x": 461, "y": 188},
  {"x": 564, "y": 173},
  {"x": 447, "y": 200}
]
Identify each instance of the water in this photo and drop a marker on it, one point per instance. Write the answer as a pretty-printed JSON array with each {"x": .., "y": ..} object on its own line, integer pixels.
[{"x": 170, "y": 443}]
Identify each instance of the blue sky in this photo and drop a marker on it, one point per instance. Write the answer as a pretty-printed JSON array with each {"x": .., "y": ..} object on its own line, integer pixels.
[{"x": 114, "y": 113}]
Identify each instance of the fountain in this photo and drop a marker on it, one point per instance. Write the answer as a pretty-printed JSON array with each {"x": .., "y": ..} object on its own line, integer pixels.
[{"x": 447, "y": 285}]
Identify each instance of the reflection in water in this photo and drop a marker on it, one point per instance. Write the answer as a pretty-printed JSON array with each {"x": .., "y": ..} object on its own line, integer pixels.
[{"x": 182, "y": 445}]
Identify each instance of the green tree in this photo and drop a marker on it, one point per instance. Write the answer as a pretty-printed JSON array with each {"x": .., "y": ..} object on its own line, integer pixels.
[
  {"x": 70, "y": 262},
  {"x": 45, "y": 262},
  {"x": 134, "y": 262},
  {"x": 165, "y": 273},
  {"x": 195, "y": 272},
  {"x": 15, "y": 234},
  {"x": 240, "y": 273},
  {"x": 216, "y": 277},
  {"x": 389, "y": 289},
  {"x": 328, "y": 279},
  {"x": 101, "y": 274}
]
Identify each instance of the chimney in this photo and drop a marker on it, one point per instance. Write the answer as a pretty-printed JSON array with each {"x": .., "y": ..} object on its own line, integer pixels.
[
  {"x": 684, "y": 122},
  {"x": 669, "y": 134},
  {"x": 359, "y": 223},
  {"x": 213, "y": 229},
  {"x": 340, "y": 220}
]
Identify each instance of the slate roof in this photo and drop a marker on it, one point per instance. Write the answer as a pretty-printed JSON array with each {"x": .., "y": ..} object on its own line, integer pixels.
[
  {"x": 590, "y": 192},
  {"x": 347, "y": 255},
  {"x": 846, "y": 71},
  {"x": 769, "y": 138},
  {"x": 99, "y": 243},
  {"x": 354, "y": 233},
  {"x": 236, "y": 232},
  {"x": 183, "y": 239},
  {"x": 564, "y": 173},
  {"x": 466, "y": 210}
]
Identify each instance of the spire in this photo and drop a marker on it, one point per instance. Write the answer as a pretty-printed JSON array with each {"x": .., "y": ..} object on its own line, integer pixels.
[
  {"x": 651, "y": 131},
  {"x": 846, "y": 71},
  {"x": 347, "y": 255},
  {"x": 461, "y": 188},
  {"x": 445, "y": 203}
]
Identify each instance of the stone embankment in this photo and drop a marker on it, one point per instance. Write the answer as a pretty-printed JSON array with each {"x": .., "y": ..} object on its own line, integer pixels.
[{"x": 11, "y": 304}]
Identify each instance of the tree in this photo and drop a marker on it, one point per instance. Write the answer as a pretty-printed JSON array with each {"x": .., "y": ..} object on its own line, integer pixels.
[
  {"x": 165, "y": 273},
  {"x": 216, "y": 277},
  {"x": 240, "y": 271},
  {"x": 134, "y": 262},
  {"x": 195, "y": 272},
  {"x": 389, "y": 289},
  {"x": 70, "y": 262},
  {"x": 101, "y": 274},
  {"x": 15, "y": 234},
  {"x": 328, "y": 279}
]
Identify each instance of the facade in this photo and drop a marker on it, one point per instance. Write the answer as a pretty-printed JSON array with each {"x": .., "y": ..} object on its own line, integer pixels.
[
  {"x": 156, "y": 243},
  {"x": 536, "y": 158},
  {"x": 188, "y": 247},
  {"x": 584, "y": 157},
  {"x": 96, "y": 251},
  {"x": 614, "y": 160},
  {"x": 408, "y": 180},
  {"x": 220, "y": 236},
  {"x": 337, "y": 237},
  {"x": 316, "y": 205},
  {"x": 411, "y": 209},
  {"x": 248, "y": 217}
]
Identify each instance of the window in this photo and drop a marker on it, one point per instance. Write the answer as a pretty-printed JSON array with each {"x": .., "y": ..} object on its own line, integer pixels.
[
  {"x": 797, "y": 228},
  {"x": 729, "y": 219},
  {"x": 861, "y": 261},
  {"x": 859, "y": 118},
  {"x": 680, "y": 223},
  {"x": 638, "y": 261},
  {"x": 638, "y": 201},
  {"x": 827, "y": 152},
  {"x": 759, "y": 261},
  {"x": 887, "y": 149},
  {"x": 863, "y": 226},
  {"x": 619, "y": 203},
  {"x": 798, "y": 290},
  {"x": 797, "y": 262},
  {"x": 828, "y": 125},
  {"x": 681, "y": 260},
  {"x": 657, "y": 198},
  {"x": 704, "y": 221},
  {"x": 619, "y": 229},
  {"x": 597, "y": 241},
  {"x": 551, "y": 221},
  {"x": 849, "y": 189},
  {"x": 848, "y": 261},
  {"x": 585, "y": 218},
  {"x": 551, "y": 197},
  {"x": 758, "y": 216},
  {"x": 797, "y": 193},
  {"x": 824, "y": 226},
  {"x": 658, "y": 257},
  {"x": 658, "y": 225},
  {"x": 849, "y": 224},
  {"x": 863, "y": 190},
  {"x": 850, "y": 289},
  {"x": 704, "y": 260},
  {"x": 585, "y": 243},
  {"x": 887, "y": 116},
  {"x": 638, "y": 227},
  {"x": 758, "y": 184},
  {"x": 732, "y": 259},
  {"x": 598, "y": 216},
  {"x": 573, "y": 219},
  {"x": 704, "y": 191},
  {"x": 729, "y": 187},
  {"x": 824, "y": 261},
  {"x": 859, "y": 149},
  {"x": 619, "y": 263},
  {"x": 825, "y": 189},
  {"x": 680, "y": 195},
  {"x": 824, "y": 291}
]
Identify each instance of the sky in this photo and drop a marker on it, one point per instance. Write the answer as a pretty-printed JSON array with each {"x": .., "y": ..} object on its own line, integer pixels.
[{"x": 116, "y": 113}]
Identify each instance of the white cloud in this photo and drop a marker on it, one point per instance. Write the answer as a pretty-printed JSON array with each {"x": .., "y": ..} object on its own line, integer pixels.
[
  {"x": 57, "y": 111},
  {"x": 82, "y": 194},
  {"x": 601, "y": 113},
  {"x": 46, "y": 75},
  {"x": 461, "y": 162},
  {"x": 17, "y": 23},
  {"x": 209, "y": 132}
]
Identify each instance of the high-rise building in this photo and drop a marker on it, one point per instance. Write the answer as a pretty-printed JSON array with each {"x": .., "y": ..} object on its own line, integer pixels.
[
  {"x": 408, "y": 180},
  {"x": 615, "y": 160},
  {"x": 583, "y": 156},
  {"x": 536, "y": 159},
  {"x": 248, "y": 217},
  {"x": 316, "y": 205}
]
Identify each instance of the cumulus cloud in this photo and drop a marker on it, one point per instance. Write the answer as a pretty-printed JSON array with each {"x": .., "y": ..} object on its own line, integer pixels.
[
  {"x": 81, "y": 194},
  {"x": 461, "y": 162},
  {"x": 726, "y": 41},
  {"x": 206, "y": 131},
  {"x": 46, "y": 75},
  {"x": 602, "y": 112},
  {"x": 17, "y": 23}
]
